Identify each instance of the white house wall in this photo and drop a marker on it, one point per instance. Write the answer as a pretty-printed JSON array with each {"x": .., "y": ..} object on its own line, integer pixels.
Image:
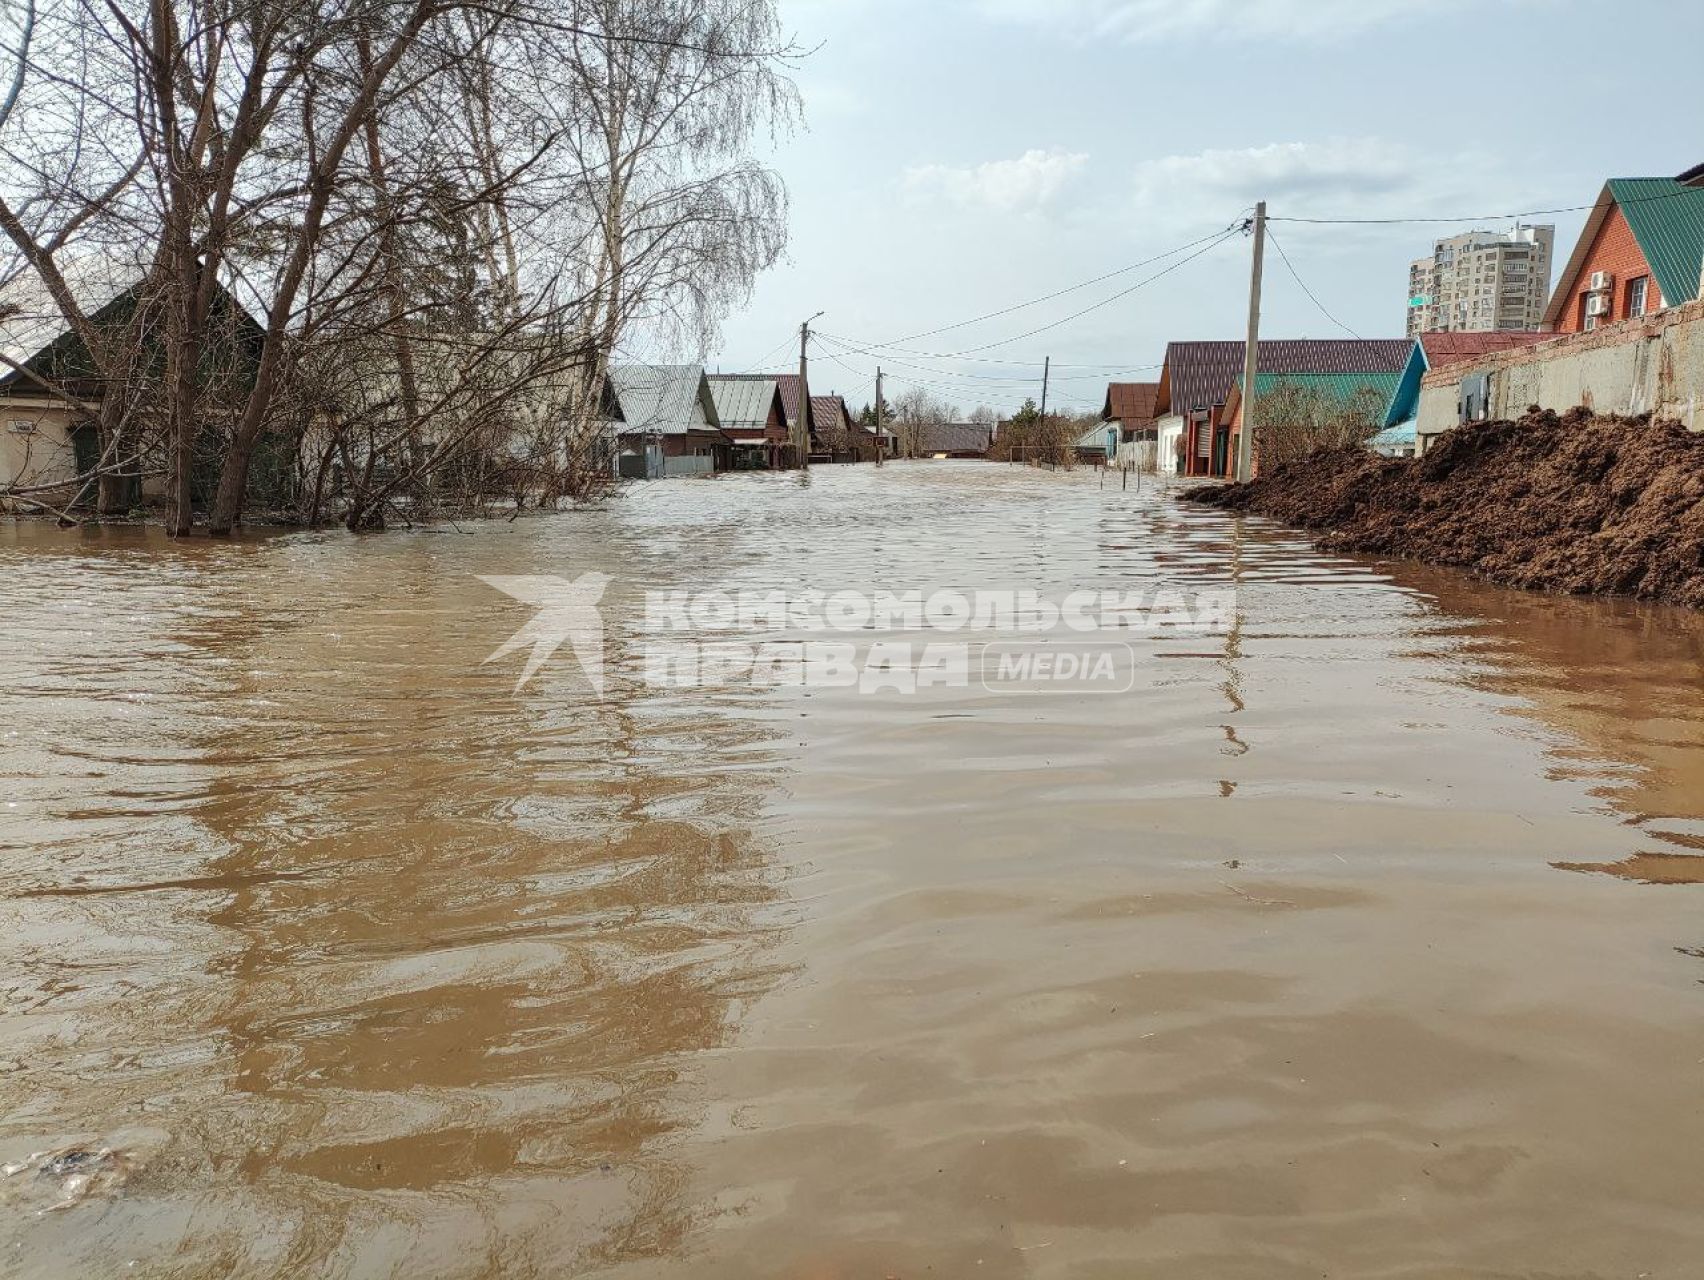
[{"x": 35, "y": 445}]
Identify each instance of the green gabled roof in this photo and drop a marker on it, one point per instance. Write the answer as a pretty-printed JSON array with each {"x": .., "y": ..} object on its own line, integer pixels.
[
  {"x": 1341, "y": 387},
  {"x": 1668, "y": 222}
]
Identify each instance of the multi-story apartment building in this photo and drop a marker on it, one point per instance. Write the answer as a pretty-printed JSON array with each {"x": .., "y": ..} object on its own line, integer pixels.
[{"x": 1481, "y": 282}]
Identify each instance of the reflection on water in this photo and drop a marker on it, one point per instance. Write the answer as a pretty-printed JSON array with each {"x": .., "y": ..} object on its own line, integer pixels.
[{"x": 373, "y": 966}]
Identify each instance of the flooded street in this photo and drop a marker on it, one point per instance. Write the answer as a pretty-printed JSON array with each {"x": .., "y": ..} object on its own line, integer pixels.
[{"x": 1361, "y": 942}]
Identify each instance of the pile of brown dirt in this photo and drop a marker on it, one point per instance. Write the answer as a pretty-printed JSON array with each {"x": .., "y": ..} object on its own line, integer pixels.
[{"x": 1579, "y": 504}]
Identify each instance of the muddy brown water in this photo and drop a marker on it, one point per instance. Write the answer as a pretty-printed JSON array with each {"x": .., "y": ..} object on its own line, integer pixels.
[{"x": 1364, "y": 942}]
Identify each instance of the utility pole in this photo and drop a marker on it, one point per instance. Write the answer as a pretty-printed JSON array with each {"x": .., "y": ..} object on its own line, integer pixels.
[
  {"x": 879, "y": 443},
  {"x": 802, "y": 427},
  {"x": 1251, "y": 357},
  {"x": 1041, "y": 422}
]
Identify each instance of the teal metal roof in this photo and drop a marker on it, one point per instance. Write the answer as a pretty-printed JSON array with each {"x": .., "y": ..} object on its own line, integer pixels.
[
  {"x": 1341, "y": 387},
  {"x": 1402, "y": 435},
  {"x": 1667, "y": 219}
]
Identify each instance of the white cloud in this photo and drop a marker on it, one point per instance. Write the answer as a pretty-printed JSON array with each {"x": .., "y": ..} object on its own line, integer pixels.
[
  {"x": 1350, "y": 171},
  {"x": 1138, "y": 20},
  {"x": 1034, "y": 179}
]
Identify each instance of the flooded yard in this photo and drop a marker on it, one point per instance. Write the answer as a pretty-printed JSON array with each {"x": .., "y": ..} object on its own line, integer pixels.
[{"x": 1364, "y": 940}]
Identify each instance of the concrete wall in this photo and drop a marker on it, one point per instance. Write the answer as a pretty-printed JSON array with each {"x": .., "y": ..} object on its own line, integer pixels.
[{"x": 1651, "y": 365}]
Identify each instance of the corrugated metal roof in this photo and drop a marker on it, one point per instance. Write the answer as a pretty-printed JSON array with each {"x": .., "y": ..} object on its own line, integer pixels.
[
  {"x": 1444, "y": 348},
  {"x": 786, "y": 383},
  {"x": 1667, "y": 218},
  {"x": 1402, "y": 436},
  {"x": 1131, "y": 403},
  {"x": 1341, "y": 387},
  {"x": 668, "y": 399},
  {"x": 743, "y": 404},
  {"x": 1199, "y": 375},
  {"x": 953, "y": 437},
  {"x": 1094, "y": 437},
  {"x": 829, "y": 413}
]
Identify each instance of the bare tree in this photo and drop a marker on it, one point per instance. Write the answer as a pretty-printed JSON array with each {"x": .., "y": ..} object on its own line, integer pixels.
[
  {"x": 1297, "y": 419},
  {"x": 915, "y": 412},
  {"x": 390, "y": 248}
]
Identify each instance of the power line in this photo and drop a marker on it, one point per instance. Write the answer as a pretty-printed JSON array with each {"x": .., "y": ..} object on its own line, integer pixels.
[
  {"x": 1020, "y": 306},
  {"x": 943, "y": 388},
  {"x": 883, "y": 350},
  {"x": 1107, "y": 302},
  {"x": 1292, "y": 269},
  {"x": 1213, "y": 243},
  {"x": 849, "y": 349},
  {"x": 758, "y": 367},
  {"x": 872, "y": 348},
  {"x": 1483, "y": 217}
]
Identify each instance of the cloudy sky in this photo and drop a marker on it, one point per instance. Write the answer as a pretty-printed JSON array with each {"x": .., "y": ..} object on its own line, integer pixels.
[{"x": 962, "y": 156}]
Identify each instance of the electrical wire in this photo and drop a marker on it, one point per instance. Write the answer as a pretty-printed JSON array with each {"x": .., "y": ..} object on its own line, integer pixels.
[
  {"x": 1311, "y": 298},
  {"x": 1213, "y": 243},
  {"x": 887, "y": 361},
  {"x": 864, "y": 348},
  {"x": 1482, "y": 217},
  {"x": 758, "y": 367},
  {"x": 882, "y": 352},
  {"x": 1059, "y": 293}
]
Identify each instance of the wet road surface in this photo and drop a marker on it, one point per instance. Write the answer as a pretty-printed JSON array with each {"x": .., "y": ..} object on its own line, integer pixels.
[{"x": 1365, "y": 941}]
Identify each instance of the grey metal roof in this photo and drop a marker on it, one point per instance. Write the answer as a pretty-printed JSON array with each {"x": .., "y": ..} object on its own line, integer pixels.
[
  {"x": 954, "y": 437},
  {"x": 667, "y": 399},
  {"x": 743, "y": 404},
  {"x": 1094, "y": 437}
]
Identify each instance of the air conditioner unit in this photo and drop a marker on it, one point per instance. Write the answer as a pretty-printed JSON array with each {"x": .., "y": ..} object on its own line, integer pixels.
[
  {"x": 1597, "y": 305},
  {"x": 1601, "y": 280}
]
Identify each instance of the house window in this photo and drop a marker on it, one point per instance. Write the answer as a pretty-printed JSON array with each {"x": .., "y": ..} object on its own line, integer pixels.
[{"x": 1636, "y": 291}]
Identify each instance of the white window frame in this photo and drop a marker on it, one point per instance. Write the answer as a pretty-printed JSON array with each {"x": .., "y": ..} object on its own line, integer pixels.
[{"x": 1641, "y": 307}]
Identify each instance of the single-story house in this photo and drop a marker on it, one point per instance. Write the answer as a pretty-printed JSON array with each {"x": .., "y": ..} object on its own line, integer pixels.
[
  {"x": 954, "y": 440},
  {"x": 751, "y": 414},
  {"x": 836, "y": 436},
  {"x": 1099, "y": 444},
  {"x": 669, "y": 425},
  {"x": 51, "y": 388},
  {"x": 1642, "y": 250},
  {"x": 1197, "y": 378},
  {"x": 1132, "y": 406},
  {"x": 1372, "y": 390}
]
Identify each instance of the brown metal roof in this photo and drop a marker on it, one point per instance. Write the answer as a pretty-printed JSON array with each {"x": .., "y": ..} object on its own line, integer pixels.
[
  {"x": 1444, "y": 348},
  {"x": 1131, "y": 403},
  {"x": 827, "y": 412},
  {"x": 1198, "y": 375}
]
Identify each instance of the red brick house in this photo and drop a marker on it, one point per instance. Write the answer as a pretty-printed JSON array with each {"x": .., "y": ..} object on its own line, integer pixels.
[{"x": 1642, "y": 250}]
